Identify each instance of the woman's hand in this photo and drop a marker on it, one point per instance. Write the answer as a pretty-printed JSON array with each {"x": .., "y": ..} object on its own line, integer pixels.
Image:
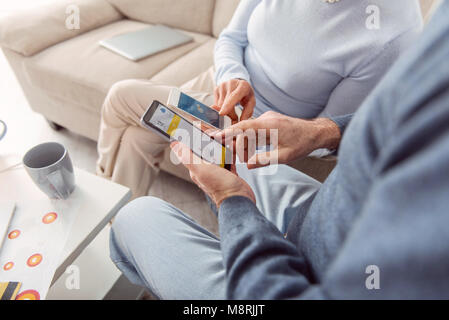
[
  {"x": 292, "y": 138},
  {"x": 230, "y": 93},
  {"x": 217, "y": 182}
]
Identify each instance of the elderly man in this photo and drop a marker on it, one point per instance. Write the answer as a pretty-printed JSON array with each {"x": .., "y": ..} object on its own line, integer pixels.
[{"x": 377, "y": 227}]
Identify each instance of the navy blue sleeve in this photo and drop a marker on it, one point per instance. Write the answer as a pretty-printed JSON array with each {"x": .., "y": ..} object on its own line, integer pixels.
[{"x": 260, "y": 263}]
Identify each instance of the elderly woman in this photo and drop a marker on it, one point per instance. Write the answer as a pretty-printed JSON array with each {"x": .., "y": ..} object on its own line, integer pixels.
[{"x": 309, "y": 58}]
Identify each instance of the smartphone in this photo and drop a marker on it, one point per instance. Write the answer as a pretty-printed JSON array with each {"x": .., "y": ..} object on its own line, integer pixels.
[
  {"x": 171, "y": 126},
  {"x": 197, "y": 109}
]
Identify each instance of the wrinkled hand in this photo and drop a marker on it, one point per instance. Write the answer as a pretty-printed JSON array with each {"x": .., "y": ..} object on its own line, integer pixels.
[
  {"x": 232, "y": 92},
  {"x": 217, "y": 182},
  {"x": 291, "y": 138}
]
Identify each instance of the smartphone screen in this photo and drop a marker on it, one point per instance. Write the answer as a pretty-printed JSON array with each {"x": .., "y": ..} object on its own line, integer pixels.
[
  {"x": 173, "y": 127},
  {"x": 199, "y": 110}
]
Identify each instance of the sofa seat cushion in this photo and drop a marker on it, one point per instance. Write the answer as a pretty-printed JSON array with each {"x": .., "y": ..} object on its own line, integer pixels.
[
  {"x": 82, "y": 71},
  {"x": 187, "y": 67}
]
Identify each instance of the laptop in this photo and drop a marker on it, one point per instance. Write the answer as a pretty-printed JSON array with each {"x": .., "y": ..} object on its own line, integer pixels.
[{"x": 146, "y": 42}]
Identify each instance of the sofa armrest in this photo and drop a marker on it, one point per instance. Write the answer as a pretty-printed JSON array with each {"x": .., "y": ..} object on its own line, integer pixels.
[{"x": 33, "y": 30}]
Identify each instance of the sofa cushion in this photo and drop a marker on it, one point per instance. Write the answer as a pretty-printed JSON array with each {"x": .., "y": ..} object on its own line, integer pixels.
[
  {"x": 224, "y": 10},
  {"x": 189, "y": 66},
  {"x": 30, "y": 31},
  {"x": 192, "y": 15},
  {"x": 80, "y": 70}
]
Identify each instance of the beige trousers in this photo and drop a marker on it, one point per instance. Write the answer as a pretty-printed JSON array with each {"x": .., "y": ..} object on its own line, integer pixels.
[{"x": 128, "y": 153}]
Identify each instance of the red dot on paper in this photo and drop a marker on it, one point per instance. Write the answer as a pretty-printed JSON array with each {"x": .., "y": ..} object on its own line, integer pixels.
[
  {"x": 8, "y": 266},
  {"x": 34, "y": 260},
  {"x": 14, "y": 234},
  {"x": 49, "y": 217},
  {"x": 29, "y": 295}
]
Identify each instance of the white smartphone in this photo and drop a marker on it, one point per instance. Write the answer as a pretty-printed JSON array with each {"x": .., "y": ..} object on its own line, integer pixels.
[{"x": 197, "y": 109}]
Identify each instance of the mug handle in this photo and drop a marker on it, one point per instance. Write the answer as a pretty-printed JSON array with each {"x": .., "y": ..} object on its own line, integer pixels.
[
  {"x": 3, "y": 131},
  {"x": 57, "y": 182}
]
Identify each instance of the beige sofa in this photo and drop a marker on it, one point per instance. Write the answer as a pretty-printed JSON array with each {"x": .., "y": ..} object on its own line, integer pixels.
[{"x": 66, "y": 75}]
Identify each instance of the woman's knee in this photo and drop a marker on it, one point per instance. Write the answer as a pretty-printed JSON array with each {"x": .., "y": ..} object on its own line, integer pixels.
[
  {"x": 132, "y": 135},
  {"x": 139, "y": 142},
  {"x": 118, "y": 94}
]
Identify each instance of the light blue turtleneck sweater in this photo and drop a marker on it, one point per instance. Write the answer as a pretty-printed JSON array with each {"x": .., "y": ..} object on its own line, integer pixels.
[{"x": 309, "y": 58}]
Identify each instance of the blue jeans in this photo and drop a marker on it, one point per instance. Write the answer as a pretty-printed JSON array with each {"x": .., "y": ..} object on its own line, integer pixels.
[{"x": 159, "y": 247}]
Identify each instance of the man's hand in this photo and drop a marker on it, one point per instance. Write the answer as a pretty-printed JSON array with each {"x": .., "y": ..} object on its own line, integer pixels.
[
  {"x": 296, "y": 138},
  {"x": 230, "y": 93},
  {"x": 217, "y": 182}
]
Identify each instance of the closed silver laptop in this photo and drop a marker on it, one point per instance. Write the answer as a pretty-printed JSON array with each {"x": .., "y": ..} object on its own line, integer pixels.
[{"x": 148, "y": 41}]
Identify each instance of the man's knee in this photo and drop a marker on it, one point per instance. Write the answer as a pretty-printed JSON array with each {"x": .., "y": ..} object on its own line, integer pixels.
[{"x": 144, "y": 212}]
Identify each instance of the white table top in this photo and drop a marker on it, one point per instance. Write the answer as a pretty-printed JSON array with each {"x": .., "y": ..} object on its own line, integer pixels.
[{"x": 100, "y": 200}]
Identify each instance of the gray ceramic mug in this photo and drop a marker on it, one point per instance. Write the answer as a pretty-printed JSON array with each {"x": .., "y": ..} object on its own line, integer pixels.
[{"x": 49, "y": 165}]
